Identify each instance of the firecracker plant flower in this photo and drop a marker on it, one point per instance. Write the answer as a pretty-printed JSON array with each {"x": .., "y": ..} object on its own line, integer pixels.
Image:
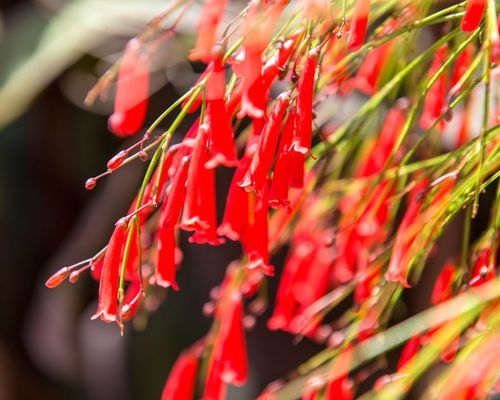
[{"x": 359, "y": 204}]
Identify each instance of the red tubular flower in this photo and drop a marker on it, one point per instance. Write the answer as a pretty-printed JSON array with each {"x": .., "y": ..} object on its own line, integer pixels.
[
  {"x": 397, "y": 269},
  {"x": 200, "y": 214},
  {"x": 256, "y": 238},
  {"x": 165, "y": 264},
  {"x": 310, "y": 394},
  {"x": 58, "y": 278},
  {"x": 305, "y": 278},
  {"x": 169, "y": 216},
  {"x": 297, "y": 169},
  {"x": 443, "y": 288},
  {"x": 172, "y": 206},
  {"x": 340, "y": 389},
  {"x": 483, "y": 269},
  {"x": 107, "y": 304},
  {"x": 278, "y": 194},
  {"x": 303, "y": 123},
  {"x": 435, "y": 99},
  {"x": 228, "y": 361},
  {"x": 258, "y": 27},
  {"x": 232, "y": 341},
  {"x": 412, "y": 223},
  {"x": 293, "y": 271},
  {"x": 368, "y": 76},
  {"x": 252, "y": 99},
  {"x": 461, "y": 65},
  {"x": 235, "y": 221},
  {"x": 131, "y": 300},
  {"x": 210, "y": 17},
  {"x": 359, "y": 23},
  {"x": 255, "y": 178},
  {"x": 132, "y": 91},
  {"x": 181, "y": 382},
  {"x": 474, "y": 11},
  {"x": 409, "y": 351},
  {"x": 218, "y": 119}
]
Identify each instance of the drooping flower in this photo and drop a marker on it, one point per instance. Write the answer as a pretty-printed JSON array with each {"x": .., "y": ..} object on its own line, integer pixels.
[
  {"x": 218, "y": 120},
  {"x": 107, "y": 305},
  {"x": 409, "y": 351},
  {"x": 207, "y": 25},
  {"x": 474, "y": 11},
  {"x": 228, "y": 359},
  {"x": 131, "y": 300},
  {"x": 169, "y": 216},
  {"x": 258, "y": 26},
  {"x": 200, "y": 214},
  {"x": 256, "y": 239},
  {"x": 181, "y": 382},
  {"x": 302, "y": 135},
  {"x": 365, "y": 213},
  {"x": 369, "y": 74},
  {"x": 256, "y": 176},
  {"x": 278, "y": 194},
  {"x": 413, "y": 221},
  {"x": 435, "y": 99},
  {"x": 461, "y": 65},
  {"x": 235, "y": 221},
  {"x": 484, "y": 267},
  {"x": 359, "y": 23},
  {"x": 132, "y": 90},
  {"x": 443, "y": 288}
]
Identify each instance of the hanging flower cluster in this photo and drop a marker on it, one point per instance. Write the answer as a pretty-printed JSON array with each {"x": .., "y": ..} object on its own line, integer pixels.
[{"x": 359, "y": 202}]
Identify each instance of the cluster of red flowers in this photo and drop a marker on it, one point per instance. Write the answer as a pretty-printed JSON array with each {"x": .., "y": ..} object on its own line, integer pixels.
[{"x": 278, "y": 190}]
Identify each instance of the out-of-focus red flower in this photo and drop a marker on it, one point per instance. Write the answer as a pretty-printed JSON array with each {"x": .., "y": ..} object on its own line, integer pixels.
[
  {"x": 210, "y": 17},
  {"x": 228, "y": 360},
  {"x": 443, "y": 288},
  {"x": 235, "y": 220},
  {"x": 411, "y": 225},
  {"x": 359, "y": 23},
  {"x": 107, "y": 304},
  {"x": 409, "y": 351},
  {"x": 132, "y": 90},
  {"x": 474, "y": 11},
  {"x": 278, "y": 194},
  {"x": 302, "y": 133},
  {"x": 181, "y": 382},
  {"x": 435, "y": 99},
  {"x": 484, "y": 268}
]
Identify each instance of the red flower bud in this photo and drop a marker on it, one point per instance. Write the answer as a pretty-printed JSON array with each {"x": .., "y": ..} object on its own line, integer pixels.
[
  {"x": 117, "y": 161},
  {"x": 58, "y": 278}
]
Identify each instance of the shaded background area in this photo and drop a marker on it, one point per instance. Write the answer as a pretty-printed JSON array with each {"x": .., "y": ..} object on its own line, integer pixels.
[{"x": 49, "y": 349}]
